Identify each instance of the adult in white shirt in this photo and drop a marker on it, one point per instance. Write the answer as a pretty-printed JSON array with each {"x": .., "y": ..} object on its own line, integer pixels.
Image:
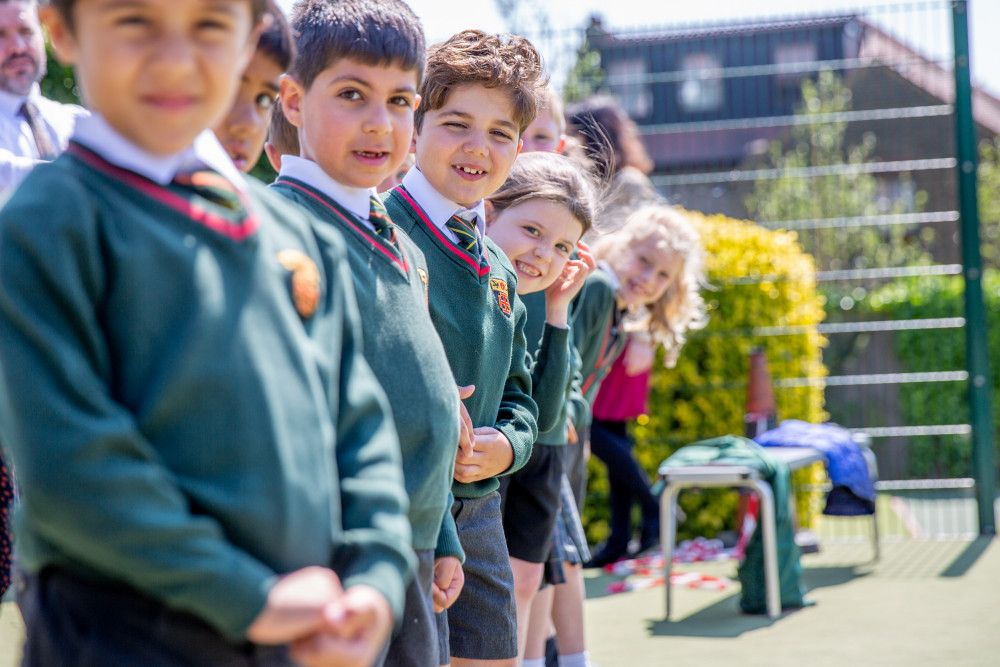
[{"x": 32, "y": 128}]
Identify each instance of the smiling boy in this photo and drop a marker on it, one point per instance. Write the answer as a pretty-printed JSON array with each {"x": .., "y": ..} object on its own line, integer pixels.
[
  {"x": 478, "y": 95},
  {"x": 207, "y": 465},
  {"x": 350, "y": 94}
]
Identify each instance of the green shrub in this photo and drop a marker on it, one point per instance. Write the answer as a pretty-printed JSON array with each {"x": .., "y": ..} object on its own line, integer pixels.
[{"x": 705, "y": 394}]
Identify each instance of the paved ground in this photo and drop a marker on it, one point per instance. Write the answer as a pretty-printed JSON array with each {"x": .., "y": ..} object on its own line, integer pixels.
[{"x": 925, "y": 603}]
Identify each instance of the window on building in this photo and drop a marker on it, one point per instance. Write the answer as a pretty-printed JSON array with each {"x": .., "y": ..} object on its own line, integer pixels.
[
  {"x": 792, "y": 54},
  {"x": 627, "y": 80},
  {"x": 701, "y": 91}
]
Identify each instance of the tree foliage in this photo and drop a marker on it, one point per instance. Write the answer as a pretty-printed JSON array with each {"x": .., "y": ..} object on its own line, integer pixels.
[{"x": 839, "y": 191}]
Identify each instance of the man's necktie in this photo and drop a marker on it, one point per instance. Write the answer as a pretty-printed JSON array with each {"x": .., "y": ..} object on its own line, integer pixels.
[
  {"x": 213, "y": 186},
  {"x": 463, "y": 224},
  {"x": 29, "y": 112}
]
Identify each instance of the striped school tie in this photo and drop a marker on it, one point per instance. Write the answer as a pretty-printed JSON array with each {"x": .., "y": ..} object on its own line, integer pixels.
[
  {"x": 379, "y": 218},
  {"x": 213, "y": 186},
  {"x": 463, "y": 224}
]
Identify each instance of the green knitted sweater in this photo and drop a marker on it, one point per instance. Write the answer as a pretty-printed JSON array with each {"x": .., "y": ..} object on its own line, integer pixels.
[
  {"x": 481, "y": 322},
  {"x": 185, "y": 396},
  {"x": 407, "y": 357}
]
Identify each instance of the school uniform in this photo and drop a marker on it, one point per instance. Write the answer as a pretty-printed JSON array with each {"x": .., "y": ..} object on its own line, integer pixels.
[
  {"x": 188, "y": 408},
  {"x": 596, "y": 324},
  {"x": 530, "y": 496},
  {"x": 481, "y": 321},
  {"x": 405, "y": 353}
]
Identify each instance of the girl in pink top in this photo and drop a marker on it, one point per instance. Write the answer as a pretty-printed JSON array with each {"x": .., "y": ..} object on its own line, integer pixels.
[{"x": 657, "y": 259}]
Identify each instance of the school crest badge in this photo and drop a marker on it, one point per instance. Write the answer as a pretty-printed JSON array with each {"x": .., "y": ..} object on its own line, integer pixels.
[
  {"x": 499, "y": 287},
  {"x": 305, "y": 281}
]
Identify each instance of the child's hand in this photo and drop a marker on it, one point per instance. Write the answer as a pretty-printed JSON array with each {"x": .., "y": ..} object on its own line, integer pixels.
[
  {"x": 571, "y": 436},
  {"x": 295, "y": 606},
  {"x": 492, "y": 454},
  {"x": 569, "y": 283},
  {"x": 465, "y": 436},
  {"x": 448, "y": 581},
  {"x": 355, "y": 628}
]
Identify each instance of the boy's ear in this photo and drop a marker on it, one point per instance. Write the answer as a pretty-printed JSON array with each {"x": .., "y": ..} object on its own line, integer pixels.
[
  {"x": 60, "y": 35},
  {"x": 272, "y": 156},
  {"x": 292, "y": 94},
  {"x": 491, "y": 212}
]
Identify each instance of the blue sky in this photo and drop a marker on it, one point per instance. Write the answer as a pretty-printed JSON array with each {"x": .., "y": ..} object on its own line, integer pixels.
[{"x": 921, "y": 29}]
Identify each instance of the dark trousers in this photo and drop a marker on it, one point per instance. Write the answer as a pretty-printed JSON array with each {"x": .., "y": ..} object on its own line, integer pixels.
[
  {"x": 75, "y": 622},
  {"x": 628, "y": 484}
]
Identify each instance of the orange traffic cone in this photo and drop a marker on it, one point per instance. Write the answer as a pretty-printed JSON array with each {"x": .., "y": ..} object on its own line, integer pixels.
[{"x": 760, "y": 412}]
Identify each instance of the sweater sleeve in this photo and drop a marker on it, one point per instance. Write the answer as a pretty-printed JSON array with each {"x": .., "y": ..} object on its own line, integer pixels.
[
  {"x": 550, "y": 375},
  {"x": 376, "y": 548},
  {"x": 518, "y": 415},
  {"x": 94, "y": 489},
  {"x": 577, "y": 408},
  {"x": 448, "y": 544}
]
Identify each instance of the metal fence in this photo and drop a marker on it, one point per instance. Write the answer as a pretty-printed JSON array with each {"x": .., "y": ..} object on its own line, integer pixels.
[{"x": 847, "y": 129}]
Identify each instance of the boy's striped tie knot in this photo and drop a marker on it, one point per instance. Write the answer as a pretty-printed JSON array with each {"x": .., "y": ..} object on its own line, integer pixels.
[
  {"x": 379, "y": 218},
  {"x": 463, "y": 224},
  {"x": 211, "y": 185}
]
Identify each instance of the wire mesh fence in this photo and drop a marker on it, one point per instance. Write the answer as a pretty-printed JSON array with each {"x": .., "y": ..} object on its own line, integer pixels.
[{"x": 840, "y": 127}]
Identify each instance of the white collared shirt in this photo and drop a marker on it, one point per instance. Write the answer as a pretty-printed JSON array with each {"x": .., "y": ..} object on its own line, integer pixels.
[
  {"x": 438, "y": 207},
  {"x": 97, "y": 135},
  {"x": 355, "y": 200},
  {"x": 18, "y": 153}
]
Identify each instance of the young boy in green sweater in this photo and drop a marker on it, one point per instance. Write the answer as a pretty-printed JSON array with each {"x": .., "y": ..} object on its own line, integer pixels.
[
  {"x": 478, "y": 95},
  {"x": 244, "y": 129},
  {"x": 351, "y": 93},
  {"x": 207, "y": 464}
]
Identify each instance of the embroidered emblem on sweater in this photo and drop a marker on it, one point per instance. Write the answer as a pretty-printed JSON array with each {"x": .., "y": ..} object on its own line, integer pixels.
[
  {"x": 423, "y": 278},
  {"x": 499, "y": 288},
  {"x": 305, "y": 281}
]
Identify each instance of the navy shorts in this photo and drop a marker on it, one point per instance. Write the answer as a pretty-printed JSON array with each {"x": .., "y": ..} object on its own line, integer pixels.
[
  {"x": 530, "y": 503},
  {"x": 482, "y": 624}
]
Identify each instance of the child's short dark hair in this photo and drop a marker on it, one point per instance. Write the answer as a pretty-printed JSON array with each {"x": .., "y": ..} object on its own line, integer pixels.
[
  {"x": 276, "y": 39},
  {"x": 373, "y": 32},
  {"x": 65, "y": 8},
  {"x": 282, "y": 134},
  {"x": 493, "y": 61}
]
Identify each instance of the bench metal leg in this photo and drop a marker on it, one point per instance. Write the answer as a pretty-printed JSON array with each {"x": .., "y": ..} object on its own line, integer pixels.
[
  {"x": 769, "y": 536},
  {"x": 668, "y": 526},
  {"x": 668, "y": 523}
]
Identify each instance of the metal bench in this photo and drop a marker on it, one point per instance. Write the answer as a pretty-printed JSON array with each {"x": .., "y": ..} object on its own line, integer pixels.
[{"x": 736, "y": 476}]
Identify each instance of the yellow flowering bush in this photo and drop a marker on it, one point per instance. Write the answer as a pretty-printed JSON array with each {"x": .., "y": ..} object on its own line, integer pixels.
[{"x": 759, "y": 279}]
